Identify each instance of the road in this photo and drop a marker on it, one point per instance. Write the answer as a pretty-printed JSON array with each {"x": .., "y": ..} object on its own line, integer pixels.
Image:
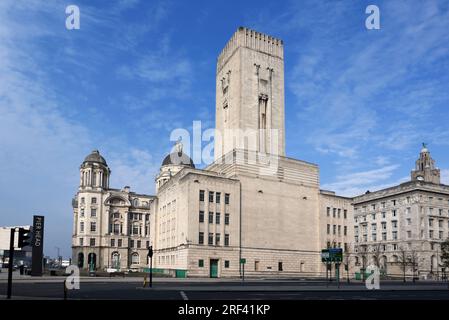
[{"x": 207, "y": 289}]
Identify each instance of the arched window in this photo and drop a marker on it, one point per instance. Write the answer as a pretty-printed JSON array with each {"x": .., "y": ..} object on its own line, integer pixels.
[
  {"x": 135, "y": 258},
  {"x": 136, "y": 202},
  {"x": 80, "y": 260}
]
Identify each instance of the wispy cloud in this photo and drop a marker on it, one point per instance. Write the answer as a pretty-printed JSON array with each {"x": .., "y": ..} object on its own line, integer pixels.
[{"x": 359, "y": 182}]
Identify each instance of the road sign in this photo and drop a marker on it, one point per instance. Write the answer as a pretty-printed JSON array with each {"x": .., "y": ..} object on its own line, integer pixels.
[
  {"x": 332, "y": 255},
  {"x": 242, "y": 261}
]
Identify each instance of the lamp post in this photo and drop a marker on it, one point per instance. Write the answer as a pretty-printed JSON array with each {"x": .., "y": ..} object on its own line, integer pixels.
[{"x": 150, "y": 255}]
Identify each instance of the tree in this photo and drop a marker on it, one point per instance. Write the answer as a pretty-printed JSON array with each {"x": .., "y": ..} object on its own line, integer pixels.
[
  {"x": 413, "y": 259},
  {"x": 444, "y": 257},
  {"x": 404, "y": 261},
  {"x": 347, "y": 258}
]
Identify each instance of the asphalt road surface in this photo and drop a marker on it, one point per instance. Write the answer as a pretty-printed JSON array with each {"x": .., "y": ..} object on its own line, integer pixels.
[{"x": 224, "y": 290}]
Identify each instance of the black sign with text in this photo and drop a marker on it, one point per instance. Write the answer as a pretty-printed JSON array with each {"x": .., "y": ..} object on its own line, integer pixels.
[{"x": 37, "y": 245}]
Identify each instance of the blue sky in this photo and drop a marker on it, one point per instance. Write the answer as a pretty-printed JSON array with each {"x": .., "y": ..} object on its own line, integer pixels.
[{"x": 358, "y": 102}]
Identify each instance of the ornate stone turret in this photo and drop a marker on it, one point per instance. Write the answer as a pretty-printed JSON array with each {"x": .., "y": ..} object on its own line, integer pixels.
[
  {"x": 425, "y": 169},
  {"x": 94, "y": 172}
]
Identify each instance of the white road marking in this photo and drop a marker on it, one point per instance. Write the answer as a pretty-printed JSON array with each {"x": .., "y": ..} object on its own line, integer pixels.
[{"x": 183, "y": 295}]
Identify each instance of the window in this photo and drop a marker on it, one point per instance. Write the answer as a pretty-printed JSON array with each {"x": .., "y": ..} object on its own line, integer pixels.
[
  {"x": 138, "y": 244},
  {"x": 112, "y": 242},
  {"x": 92, "y": 242},
  {"x": 81, "y": 227},
  {"x": 334, "y": 211},
  {"x": 217, "y": 239},
  {"x": 148, "y": 244},
  {"x": 226, "y": 218},
  {"x": 210, "y": 240},
  {"x": 93, "y": 227},
  {"x": 201, "y": 263},
  {"x": 384, "y": 236},
  {"x": 227, "y": 196},
  {"x": 430, "y": 222},
  {"x": 226, "y": 265},
  {"x": 328, "y": 229},
  {"x": 394, "y": 223},
  {"x": 440, "y": 235},
  {"x": 280, "y": 266},
  {"x": 81, "y": 242},
  {"x": 393, "y": 202},
  {"x": 116, "y": 228},
  {"x": 356, "y": 238},
  {"x": 374, "y": 237},
  {"x": 384, "y": 226},
  {"x": 82, "y": 200},
  {"x": 201, "y": 217},
  {"x": 409, "y": 234},
  {"x": 395, "y": 246},
  {"x": 135, "y": 258},
  {"x": 119, "y": 242},
  {"x": 374, "y": 216},
  {"x": 395, "y": 235},
  {"x": 431, "y": 234},
  {"x": 440, "y": 223},
  {"x": 383, "y": 204},
  {"x": 339, "y": 230},
  {"x": 94, "y": 200},
  {"x": 211, "y": 196},
  {"x": 217, "y": 197},
  {"x": 345, "y": 213},
  {"x": 393, "y": 213},
  {"x": 211, "y": 217},
  {"x": 131, "y": 243},
  {"x": 338, "y": 213},
  {"x": 93, "y": 212},
  {"x": 217, "y": 218},
  {"x": 383, "y": 215},
  {"x": 373, "y": 206},
  {"x": 82, "y": 212},
  {"x": 135, "y": 229},
  {"x": 334, "y": 227},
  {"x": 201, "y": 195},
  {"x": 328, "y": 211},
  {"x": 409, "y": 221},
  {"x": 440, "y": 211},
  {"x": 201, "y": 238},
  {"x": 374, "y": 227},
  {"x": 345, "y": 230},
  {"x": 226, "y": 240}
]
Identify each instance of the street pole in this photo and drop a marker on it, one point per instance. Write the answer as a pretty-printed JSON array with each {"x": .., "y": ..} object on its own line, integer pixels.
[
  {"x": 11, "y": 260},
  {"x": 151, "y": 271},
  {"x": 337, "y": 273}
]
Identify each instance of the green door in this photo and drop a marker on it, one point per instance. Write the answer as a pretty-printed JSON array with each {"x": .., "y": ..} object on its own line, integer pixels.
[{"x": 213, "y": 268}]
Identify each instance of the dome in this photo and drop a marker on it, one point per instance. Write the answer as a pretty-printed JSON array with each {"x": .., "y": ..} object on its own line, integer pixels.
[
  {"x": 178, "y": 158},
  {"x": 95, "y": 157}
]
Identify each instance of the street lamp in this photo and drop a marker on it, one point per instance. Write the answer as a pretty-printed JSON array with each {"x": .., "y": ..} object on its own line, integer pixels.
[{"x": 150, "y": 255}]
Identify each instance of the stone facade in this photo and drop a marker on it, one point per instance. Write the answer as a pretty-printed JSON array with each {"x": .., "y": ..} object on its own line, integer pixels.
[
  {"x": 404, "y": 224},
  {"x": 253, "y": 204},
  {"x": 111, "y": 227}
]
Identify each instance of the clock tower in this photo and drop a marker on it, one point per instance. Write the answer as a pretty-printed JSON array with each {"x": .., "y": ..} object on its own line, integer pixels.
[{"x": 425, "y": 169}]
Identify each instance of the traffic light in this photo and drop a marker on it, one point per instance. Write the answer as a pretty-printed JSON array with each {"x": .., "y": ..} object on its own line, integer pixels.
[
  {"x": 24, "y": 238},
  {"x": 150, "y": 251}
]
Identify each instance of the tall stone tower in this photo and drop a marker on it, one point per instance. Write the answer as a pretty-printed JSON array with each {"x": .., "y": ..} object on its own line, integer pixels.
[
  {"x": 425, "y": 169},
  {"x": 250, "y": 94}
]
